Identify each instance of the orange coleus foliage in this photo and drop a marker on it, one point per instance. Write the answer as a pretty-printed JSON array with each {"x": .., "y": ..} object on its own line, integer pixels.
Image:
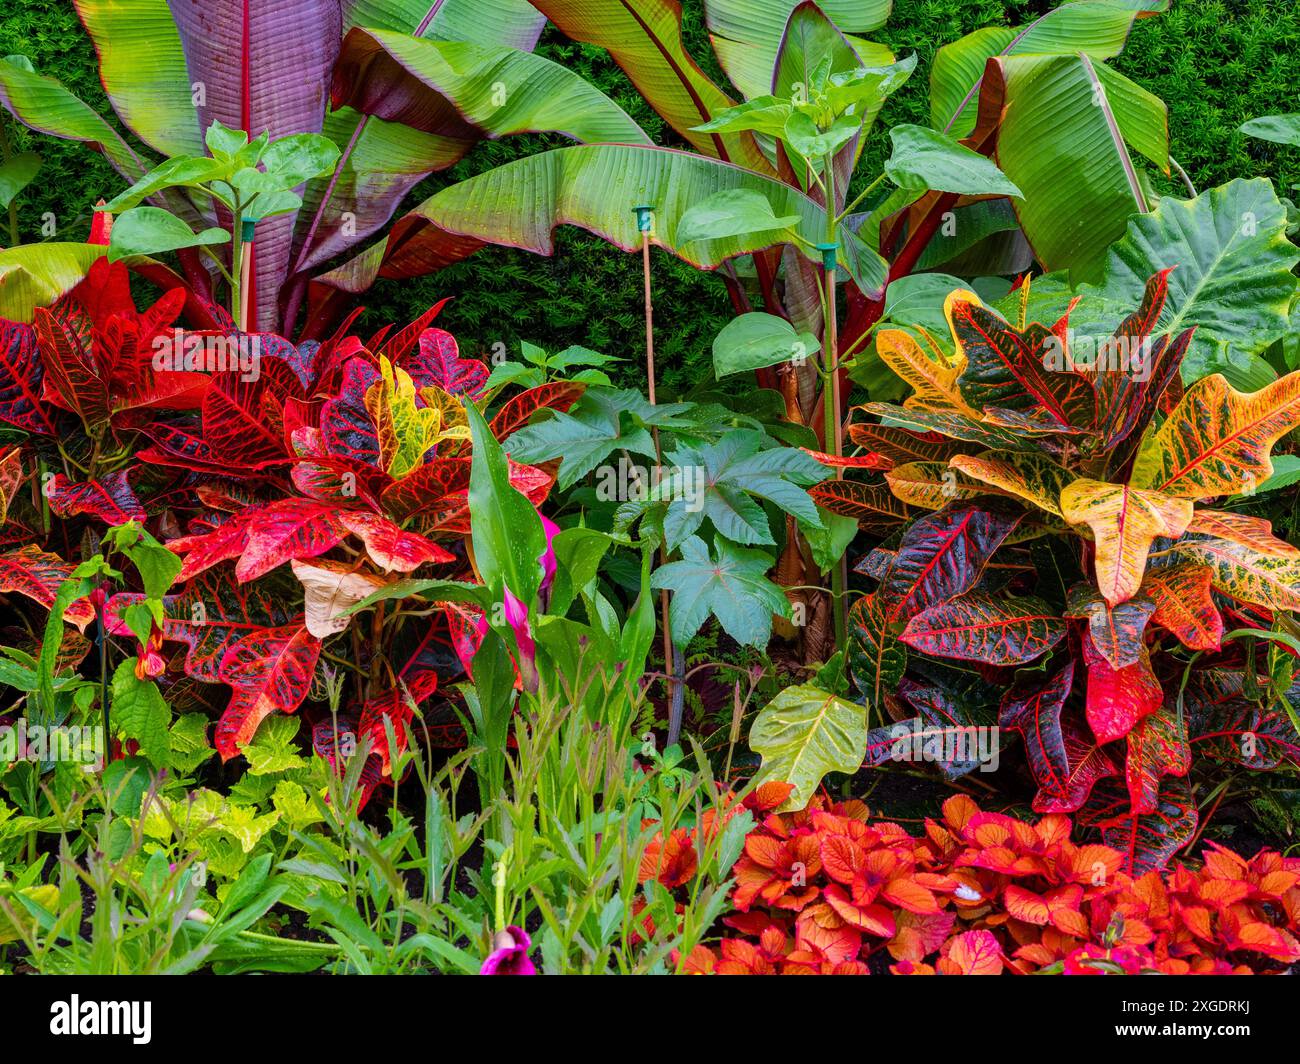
[{"x": 830, "y": 890}]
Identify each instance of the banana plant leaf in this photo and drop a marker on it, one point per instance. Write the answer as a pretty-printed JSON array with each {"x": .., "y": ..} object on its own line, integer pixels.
[{"x": 594, "y": 187}]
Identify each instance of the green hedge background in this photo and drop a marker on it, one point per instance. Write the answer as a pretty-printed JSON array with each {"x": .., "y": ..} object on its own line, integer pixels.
[{"x": 1215, "y": 63}]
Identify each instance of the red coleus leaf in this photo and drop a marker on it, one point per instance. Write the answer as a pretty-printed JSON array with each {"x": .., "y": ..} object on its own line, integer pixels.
[
  {"x": 972, "y": 953},
  {"x": 21, "y": 377},
  {"x": 37, "y": 575},
  {"x": 271, "y": 671},
  {"x": 940, "y": 557},
  {"x": 1119, "y": 698},
  {"x": 109, "y": 498}
]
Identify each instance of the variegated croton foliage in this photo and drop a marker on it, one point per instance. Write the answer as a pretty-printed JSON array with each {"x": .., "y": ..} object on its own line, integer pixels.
[{"x": 1072, "y": 538}]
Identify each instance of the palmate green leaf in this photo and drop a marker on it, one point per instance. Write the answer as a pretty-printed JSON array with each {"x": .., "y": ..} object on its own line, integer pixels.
[
  {"x": 602, "y": 423},
  {"x": 747, "y": 34},
  {"x": 804, "y": 733},
  {"x": 722, "y": 481},
  {"x": 923, "y": 159},
  {"x": 731, "y": 585},
  {"x": 594, "y": 187}
]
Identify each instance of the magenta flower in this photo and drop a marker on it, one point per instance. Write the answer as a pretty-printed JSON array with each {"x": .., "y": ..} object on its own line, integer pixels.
[
  {"x": 548, "y": 555},
  {"x": 509, "y": 955},
  {"x": 517, "y": 617}
]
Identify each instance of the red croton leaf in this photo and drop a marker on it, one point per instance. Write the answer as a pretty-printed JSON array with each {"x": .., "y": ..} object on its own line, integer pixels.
[
  {"x": 997, "y": 630},
  {"x": 1185, "y": 605},
  {"x": 557, "y": 395},
  {"x": 1157, "y": 746},
  {"x": 438, "y": 363},
  {"x": 37, "y": 574},
  {"x": 1147, "y": 840},
  {"x": 1115, "y": 632},
  {"x": 109, "y": 498},
  {"x": 1119, "y": 698},
  {"x": 940, "y": 557},
  {"x": 389, "y": 546},
  {"x": 1013, "y": 371},
  {"x": 21, "y": 376},
  {"x": 271, "y": 671},
  {"x": 1035, "y": 712}
]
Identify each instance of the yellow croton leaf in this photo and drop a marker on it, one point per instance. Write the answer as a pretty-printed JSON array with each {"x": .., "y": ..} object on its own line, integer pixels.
[
  {"x": 1032, "y": 477},
  {"x": 1246, "y": 574},
  {"x": 406, "y": 431},
  {"x": 931, "y": 485},
  {"x": 330, "y": 589},
  {"x": 931, "y": 374},
  {"x": 1124, "y": 521},
  {"x": 1217, "y": 440},
  {"x": 1254, "y": 532},
  {"x": 453, "y": 422}
]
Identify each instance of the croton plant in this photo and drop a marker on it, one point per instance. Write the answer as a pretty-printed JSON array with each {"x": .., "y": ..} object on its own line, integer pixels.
[
  {"x": 293, "y": 480},
  {"x": 1073, "y": 538}
]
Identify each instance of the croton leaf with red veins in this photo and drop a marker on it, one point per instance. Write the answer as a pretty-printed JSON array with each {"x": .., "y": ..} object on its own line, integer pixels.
[
  {"x": 901, "y": 446},
  {"x": 518, "y": 411},
  {"x": 873, "y": 506},
  {"x": 947, "y": 732},
  {"x": 1119, "y": 698},
  {"x": 214, "y": 612},
  {"x": 270, "y": 671},
  {"x": 1133, "y": 370},
  {"x": 1147, "y": 840},
  {"x": 1157, "y": 746},
  {"x": 1086, "y": 762},
  {"x": 21, "y": 375},
  {"x": 1185, "y": 605},
  {"x": 108, "y": 498},
  {"x": 1116, "y": 633},
  {"x": 1035, "y": 712},
  {"x": 389, "y": 546},
  {"x": 37, "y": 575},
  {"x": 437, "y": 362},
  {"x": 940, "y": 557},
  {"x": 1020, "y": 371},
  {"x": 997, "y": 630},
  {"x": 1227, "y": 726},
  {"x": 263, "y": 538},
  {"x": 72, "y": 379}
]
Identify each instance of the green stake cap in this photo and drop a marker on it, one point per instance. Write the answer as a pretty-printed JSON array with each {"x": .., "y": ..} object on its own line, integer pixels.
[
  {"x": 644, "y": 217},
  {"x": 828, "y": 255},
  {"x": 246, "y": 226}
]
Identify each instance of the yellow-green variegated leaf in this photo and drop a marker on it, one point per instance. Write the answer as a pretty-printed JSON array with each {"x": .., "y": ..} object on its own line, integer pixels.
[
  {"x": 804, "y": 733},
  {"x": 1245, "y": 574},
  {"x": 1217, "y": 440},
  {"x": 931, "y": 485},
  {"x": 930, "y": 373},
  {"x": 1124, "y": 521},
  {"x": 1253, "y": 532},
  {"x": 1032, "y": 477}
]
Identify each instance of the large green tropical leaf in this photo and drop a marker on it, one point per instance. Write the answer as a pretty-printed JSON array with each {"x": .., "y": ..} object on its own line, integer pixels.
[
  {"x": 645, "y": 38},
  {"x": 804, "y": 733},
  {"x": 512, "y": 23},
  {"x": 594, "y": 187},
  {"x": 35, "y": 275},
  {"x": 440, "y": 86},
  {"x": 1060, "y": 142},
  {"x": 142, "y": 66},
  {"x": 1096, "y": 28},
  {"x": 747, "y": 34}
]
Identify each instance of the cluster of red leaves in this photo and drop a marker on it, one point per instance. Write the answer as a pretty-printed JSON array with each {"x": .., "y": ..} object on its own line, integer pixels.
[{"x": 829, "y": 890}]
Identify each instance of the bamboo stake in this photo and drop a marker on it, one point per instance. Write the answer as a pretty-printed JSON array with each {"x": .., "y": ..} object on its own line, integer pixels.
[{"x": 672, "y": 660}]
